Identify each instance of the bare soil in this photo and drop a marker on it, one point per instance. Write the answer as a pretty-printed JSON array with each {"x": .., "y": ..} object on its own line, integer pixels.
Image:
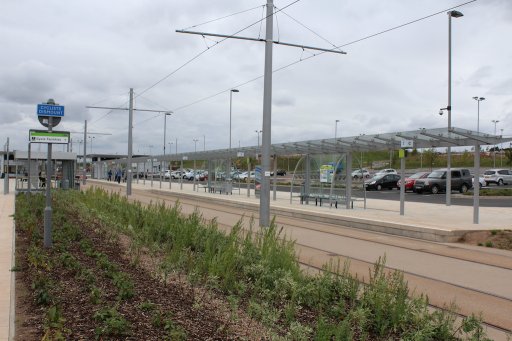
[
  {"x": 500, "y": 239},
  {"x": 201, "y": 313}
]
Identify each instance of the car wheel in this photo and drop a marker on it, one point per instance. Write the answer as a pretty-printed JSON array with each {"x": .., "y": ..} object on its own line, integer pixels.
[
  {"x": 486, "y": 184},
  {"x": 435, "y": 189},
  {"x": 480, "y": 185},
  {"x": 500, "y": 182},
  {"x": 379, "y": 187},
  {"x": 464, "y": 188}
]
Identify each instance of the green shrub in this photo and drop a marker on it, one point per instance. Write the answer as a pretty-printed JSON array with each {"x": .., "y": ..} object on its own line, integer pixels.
[
  {"x": 112, "y": 323},
  {"x": 258, "y": 269}
]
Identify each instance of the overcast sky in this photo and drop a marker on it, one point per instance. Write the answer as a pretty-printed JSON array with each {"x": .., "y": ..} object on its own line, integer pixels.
[{"x": 89, "y": 53}]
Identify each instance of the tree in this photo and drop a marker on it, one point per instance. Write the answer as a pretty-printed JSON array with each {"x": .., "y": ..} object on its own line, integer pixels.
[
  {"x": 431, "y": 156},
  {"x": 508, "y": 154}
]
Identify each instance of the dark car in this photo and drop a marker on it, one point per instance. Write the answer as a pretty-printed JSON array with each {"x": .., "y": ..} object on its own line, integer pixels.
[
  {"x": 381, "y": 181},
  {"x": 435, "y": 182},
  {"x": 281, "y": 172}
]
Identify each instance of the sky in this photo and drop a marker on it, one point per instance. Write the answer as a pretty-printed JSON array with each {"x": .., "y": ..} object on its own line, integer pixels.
[{"x": 90, "y": 53}]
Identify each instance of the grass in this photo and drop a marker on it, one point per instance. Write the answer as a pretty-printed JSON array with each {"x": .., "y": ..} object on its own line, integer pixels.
[
  {"x": 257, "y": 271},
  {"x": 502, "y": 192}
]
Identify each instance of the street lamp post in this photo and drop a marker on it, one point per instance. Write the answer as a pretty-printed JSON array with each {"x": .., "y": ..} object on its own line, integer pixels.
[
  {"x": 195, "y": 157},
  {"x": 258, "y": 132},
  {"x": 91, "y": 138},
  {"x": 92, "y": 169},
  {"x": 501, "y": 150},
  {"x": 495, "y": 146},
  {"x": 165, "y": 132},
  {"x": 170, "y": 165},
  {"x": 228, "y": 170},
  {"x": 478, "y": 99},
  {"x": 335, "y": 135},
  {"x": 454, "y": 14}
]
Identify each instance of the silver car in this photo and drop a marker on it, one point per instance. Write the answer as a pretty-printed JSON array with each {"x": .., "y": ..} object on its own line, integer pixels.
[{"x": 498, "y": 177}]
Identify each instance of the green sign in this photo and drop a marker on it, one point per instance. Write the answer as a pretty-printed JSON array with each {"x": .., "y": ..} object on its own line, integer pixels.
[{"x": 43, "y": 136}]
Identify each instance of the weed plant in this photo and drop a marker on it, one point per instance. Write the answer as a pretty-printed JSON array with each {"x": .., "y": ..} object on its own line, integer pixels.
[{"x": 258, "y": 271}]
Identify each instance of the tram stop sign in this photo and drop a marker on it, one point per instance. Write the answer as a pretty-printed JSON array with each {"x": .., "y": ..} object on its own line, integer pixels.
[{"x": 47, "y": 110}]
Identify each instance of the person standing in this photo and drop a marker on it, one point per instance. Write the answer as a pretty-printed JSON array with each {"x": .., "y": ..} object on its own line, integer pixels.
[
  {"x": 109, "y": 175},
  {"x": 118, "y": 175}
]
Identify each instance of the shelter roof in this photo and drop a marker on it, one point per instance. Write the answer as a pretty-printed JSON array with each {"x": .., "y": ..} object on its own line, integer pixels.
[{"x": 421, "y": 138}]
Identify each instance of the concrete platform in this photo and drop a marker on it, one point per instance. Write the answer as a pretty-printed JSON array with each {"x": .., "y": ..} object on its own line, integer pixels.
[{"x": 434, "y": 222}]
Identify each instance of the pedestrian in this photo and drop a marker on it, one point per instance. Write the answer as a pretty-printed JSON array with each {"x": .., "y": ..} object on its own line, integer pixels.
[
  {"x": 118, "y": 175},
  {"x": 109, "y": 175}
]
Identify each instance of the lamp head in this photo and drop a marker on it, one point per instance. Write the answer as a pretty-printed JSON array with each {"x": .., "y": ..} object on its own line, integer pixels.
[
  {"x": 441, "y": 112},
  {"x": 235, "y": 90},
  {"x": 455, "y": 14}
]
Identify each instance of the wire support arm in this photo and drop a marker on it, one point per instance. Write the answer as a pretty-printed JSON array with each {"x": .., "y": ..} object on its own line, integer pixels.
[
  {"x": 134, "y": 109},
  {"x": 333, "y": 50}
]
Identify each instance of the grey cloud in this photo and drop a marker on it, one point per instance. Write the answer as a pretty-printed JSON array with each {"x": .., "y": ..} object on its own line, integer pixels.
[
  {"x": 478, "y": 77},
  {"x": 27, "y": 82}
]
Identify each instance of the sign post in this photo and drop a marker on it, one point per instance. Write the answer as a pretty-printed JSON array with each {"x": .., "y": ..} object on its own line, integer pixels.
[
  {"x": 404, "y": 144},
  {"x": 49, "y": 115}
]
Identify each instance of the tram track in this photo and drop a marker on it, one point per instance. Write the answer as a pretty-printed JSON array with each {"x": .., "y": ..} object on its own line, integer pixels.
[{"x": 496, "y": 308}]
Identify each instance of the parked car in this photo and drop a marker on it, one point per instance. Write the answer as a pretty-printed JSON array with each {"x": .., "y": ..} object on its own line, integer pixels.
[
  {"x": 435, "y": 182},
  {"x": 387, "y": 171},
  {"x": 380, "y": 181},
  {"x": 176, "y": 174},
  {"x": 251, "y": 175},
  {"x": 360, "y": 173},
  {"x": 281, "y": 172},
  {"x": 481, "y": 181},
  {"x": 498, "y": 177},
  {"x": 410, "y": 180},
  {"x": 189, "y": 175},
  {"x": 167, "y": 174},
  {"x": 201, "y": 176}
]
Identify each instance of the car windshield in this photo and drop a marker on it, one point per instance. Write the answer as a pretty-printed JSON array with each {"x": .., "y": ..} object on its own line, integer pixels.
[
  {"x": 436, "y": 175},
  {"x": 489, "y": 172},
  {"x": 416, "y": 176},
  {"x": 378, "y": 176}
]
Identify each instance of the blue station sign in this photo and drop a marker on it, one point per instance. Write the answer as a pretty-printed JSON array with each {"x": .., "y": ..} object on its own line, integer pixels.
[{"x": 50, "y": 110}]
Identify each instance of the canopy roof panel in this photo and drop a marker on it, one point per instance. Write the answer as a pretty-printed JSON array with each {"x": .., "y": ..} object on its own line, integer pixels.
[{"x": 421, "y": 138}]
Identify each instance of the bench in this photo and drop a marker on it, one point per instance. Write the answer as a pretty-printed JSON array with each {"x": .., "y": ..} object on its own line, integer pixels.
[
  {"x": 213, "y": 188},
  {"x": 320, "y": 198}
]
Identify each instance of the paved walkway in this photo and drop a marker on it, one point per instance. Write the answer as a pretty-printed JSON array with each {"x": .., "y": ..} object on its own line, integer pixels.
[{"x": 6, "y": 259}]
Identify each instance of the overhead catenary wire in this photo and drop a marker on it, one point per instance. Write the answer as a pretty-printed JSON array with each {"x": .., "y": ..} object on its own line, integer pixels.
[
  {"x": 200, "y": 53},
  {"x": 309, "y": 29},
  {"x": 320, "y": 53},
  {"x": 224, "y": 17},
  {"x": 335, "y": 47},
  {"x": 217, "y": 43}
]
